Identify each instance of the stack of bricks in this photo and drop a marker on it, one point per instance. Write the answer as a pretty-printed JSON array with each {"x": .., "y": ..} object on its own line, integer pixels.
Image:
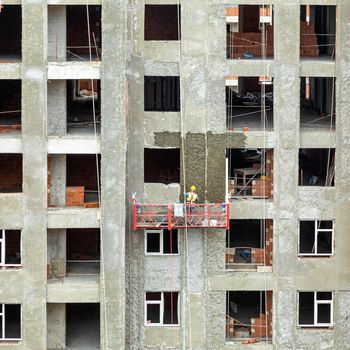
[
  {"x": 75, "y": 196},
  {"x": 230, "y": 327},
  {"x": 262, "y": 326},
  {"x": 49, "y": 164},
  {"x": 268, "y": 242},
  {"x": 264, "y": 187},
  {"x": 7, "y": 128},
  {"x": 240, "y": 43},
  {"x": 91, "y": 205},
  {"x": 308, "y": 40}
]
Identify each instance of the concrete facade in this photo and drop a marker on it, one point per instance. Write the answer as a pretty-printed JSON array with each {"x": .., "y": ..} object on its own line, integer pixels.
[{"x": 199, "y": 130}]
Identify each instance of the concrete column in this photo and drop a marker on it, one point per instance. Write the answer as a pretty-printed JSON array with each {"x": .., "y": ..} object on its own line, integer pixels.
[
  {"x": 286, "y": 117},
  {"x": 57, "y": 107},
  {"x": 56, "y": 252},
  {"x": 113, "y": 176},
  {"x": 58, "y": 169},
  {"x": 56, "y": 326},
  {"x": 34, "y": 144},
  {"x": 342, "y": 173},
  {"x": 57, "y": 33}
]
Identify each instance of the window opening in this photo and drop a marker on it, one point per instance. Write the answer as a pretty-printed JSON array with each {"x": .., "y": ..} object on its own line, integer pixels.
[
  {"x": 315, "y": 309},
  {"x": 161, "y": 308},
  {"x": 316, "y": 167},
  {"x": 244, "y": 101},
  {"x": 162, "y": 165},
  {"x": 162, "y": 94},
  {"x": 249, "y": 31},
  {"x": 316, "y": 238},
  {"x": 162, "y": 22},
  {"x": 249, "y": 245},
  {"x": 10, "y": 322},
  {"x": 250, "y": 172},
  {"x": 162, "y": 242}
]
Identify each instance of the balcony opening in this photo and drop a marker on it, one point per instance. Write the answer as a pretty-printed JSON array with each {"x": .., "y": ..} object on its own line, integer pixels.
[
  {"x": 249, "y": 245},
  {"x": 83, "y": 97},
  {"x": 317, "y": 31},
  {"x": 249, "y": 315},
  {"x": 83, "y": 252},
  {"x": 10, "y": 105},
  {"x": 162, "y": 94},
  {"x": 162, "y": 165},
  {"x": 250, "y": 172},
  {"x": 10, "y": 173},
  {"x": 162, "y": 22},
  {"x": 317, "y": 103},
  {"x": 315, "y": 309},
  {"x": 249, "y": 103},
  {"x": 10, "y": 249},
  {"x": 83, "y": 326},
  {"x": 78, "y": 33},
  {"x": 82, "y": 180},
  {"x": 10, "y": 322},
  {"x": 249, "y": 32},
  {"x": 316, "y": 166},
  {"x": 10, "y": 33},
  {"x": 316, "y": 238}
]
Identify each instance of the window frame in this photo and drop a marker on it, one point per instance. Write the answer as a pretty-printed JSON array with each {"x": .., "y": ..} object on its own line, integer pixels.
[
  {"x": 161, "y": 311},
  {"x": 318, "y": 302},
  {"x": 161, "y": 243},
  {"x": 3, "y": 250},
  {"x": 3, "y": 322},
  {"x": 316, "y": 232}
]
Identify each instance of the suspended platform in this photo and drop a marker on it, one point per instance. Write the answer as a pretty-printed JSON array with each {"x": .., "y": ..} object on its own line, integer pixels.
[{"x": 173, "y": 216}]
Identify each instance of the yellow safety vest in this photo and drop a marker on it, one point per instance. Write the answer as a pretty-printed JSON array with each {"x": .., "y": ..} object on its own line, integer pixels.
[{"x": 192, "y": 197}]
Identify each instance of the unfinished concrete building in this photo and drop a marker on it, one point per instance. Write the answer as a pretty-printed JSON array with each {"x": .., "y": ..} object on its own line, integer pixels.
[{"x": 111, "y": 110}]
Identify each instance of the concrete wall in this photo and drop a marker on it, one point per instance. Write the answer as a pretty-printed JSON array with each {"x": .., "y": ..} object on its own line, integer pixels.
[{"x": 200, "y": 61}]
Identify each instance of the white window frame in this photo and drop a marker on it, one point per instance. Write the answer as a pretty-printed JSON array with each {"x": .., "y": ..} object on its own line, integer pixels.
[
  {"x": 2, "y": 324},
  {"x": 316, "y": 304},
  {"x": 161, "y": 311},
  {"x": 161, "y": 243},
  {"x": 3, "y": 250},
  {"x": 316, "y": 231}
]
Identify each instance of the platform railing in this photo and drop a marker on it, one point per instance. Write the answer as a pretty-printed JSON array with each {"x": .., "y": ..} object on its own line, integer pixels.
[{"x": 173, "y": 216}]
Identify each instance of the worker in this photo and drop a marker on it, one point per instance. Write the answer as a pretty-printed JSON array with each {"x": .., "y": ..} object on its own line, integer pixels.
[{"x": 191, "y": 197}]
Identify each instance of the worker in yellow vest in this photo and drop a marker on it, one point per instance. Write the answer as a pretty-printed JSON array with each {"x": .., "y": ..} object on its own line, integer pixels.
[{"x": 191, "y": 199}]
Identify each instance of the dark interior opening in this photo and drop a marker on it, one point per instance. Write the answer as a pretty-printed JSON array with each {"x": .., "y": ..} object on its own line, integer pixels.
[
  {"x": 162, "y": 22},
  {"x": 82, "y": 171},
  {"x": 307, "y": 239},
  {"x": 12, "y": 247},
  {"x": 170, "y": 242},
  {"x": 83, "y": 326},
  {"x": 12, "y": 321},
  {"x": 245, "y": 104},
  {"x": 162, "y": 165},
  {"x": 162, "y": 94},
  {"x": 306, "y": 308},
  {"x": 10, "y": 173},
  {"x": 248, "y": 314},
  {"x": 83, "y": 251},
  {"x": 252, "y": 36},
  {"x": 317, "y": 102},
  {"x": 82, "y": 97},
  {"x": 78, "y": 34},
  {"x": 170, "y": 308},
  {"x": 250, "y": 172},
  {"x": 249, "y": 242},
  {"x": 318, "y": 35},
  {"x": 10, "y": 105},
  {"x": 316, "y": 167},
  {"x": 10, "y": 33}
]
